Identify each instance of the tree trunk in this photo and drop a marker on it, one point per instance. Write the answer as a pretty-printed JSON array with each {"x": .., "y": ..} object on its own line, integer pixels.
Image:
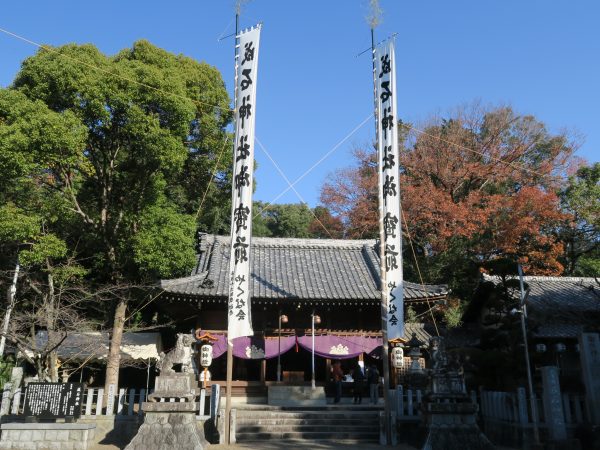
[
  {"x": 52, "y": 360},
  {"x": 53, "y": 366},
  {"x": 114, "y": 353}
]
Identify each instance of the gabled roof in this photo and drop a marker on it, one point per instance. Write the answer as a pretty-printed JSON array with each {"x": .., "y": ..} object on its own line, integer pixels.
[
  {"x": 307, "y": 269},
  {"x": 554, "y": 295},
  {"x": 561, "y": 306}
]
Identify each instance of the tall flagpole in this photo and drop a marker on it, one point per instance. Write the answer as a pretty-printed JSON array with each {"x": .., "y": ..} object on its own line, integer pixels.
[
  {"x": 229, "y": 343},
  {"x": 382, "y": 268}
]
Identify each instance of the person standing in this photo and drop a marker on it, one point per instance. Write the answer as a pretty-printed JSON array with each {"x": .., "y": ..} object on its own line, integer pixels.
[
  {"x": 373, "y": 380},
  {"x": 359, "y": 377},
  {"x": 338, "y": 376}
]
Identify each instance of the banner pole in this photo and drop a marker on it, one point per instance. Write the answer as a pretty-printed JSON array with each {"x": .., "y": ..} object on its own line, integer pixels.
[
  {"x": 229, "y": 343},
  {"x": 382, "y": 271}
]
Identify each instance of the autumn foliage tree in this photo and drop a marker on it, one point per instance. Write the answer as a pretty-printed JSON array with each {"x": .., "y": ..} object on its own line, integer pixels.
[{"x": 476, "y": 186}]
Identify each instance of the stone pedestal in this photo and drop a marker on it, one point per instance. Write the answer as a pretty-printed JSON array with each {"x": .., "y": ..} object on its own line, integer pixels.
[
  {"x": 453, "y": 425},
  {"x": 170, "y": 424},
  {"x": 56, "y": 436},
  {"x": 166, "y": 426},
  {"x": 296, "y": 396},
  {"x": 176, "y": 385}
]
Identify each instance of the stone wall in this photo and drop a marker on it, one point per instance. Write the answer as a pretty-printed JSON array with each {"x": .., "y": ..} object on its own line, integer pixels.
[
  {"x": 114, "y": 430},
  {"x": 47, "y": 436}
]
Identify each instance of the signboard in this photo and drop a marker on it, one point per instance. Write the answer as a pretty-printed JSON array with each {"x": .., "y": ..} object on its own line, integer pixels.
[
  {"x": 389, "y": 186},
  {"x": 246, "y": 71},
  {"x": 53, "y": 400}
]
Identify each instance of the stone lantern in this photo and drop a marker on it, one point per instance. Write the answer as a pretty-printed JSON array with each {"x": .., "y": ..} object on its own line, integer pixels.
[{"x": 414, "y": 353}]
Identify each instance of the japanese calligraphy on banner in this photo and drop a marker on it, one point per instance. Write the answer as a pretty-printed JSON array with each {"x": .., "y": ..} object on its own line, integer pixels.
[
  {"x": 389, "y": 186},
  {"x": 246, "y": 65}
]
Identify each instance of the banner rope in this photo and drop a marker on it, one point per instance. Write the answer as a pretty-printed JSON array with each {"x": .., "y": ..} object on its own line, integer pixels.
[
  {"x": 287, "y": 180},
  {"x": 418, "y": 268},
  {"x": 212, "y": 176},
  {"x": 325, "y": 156}
]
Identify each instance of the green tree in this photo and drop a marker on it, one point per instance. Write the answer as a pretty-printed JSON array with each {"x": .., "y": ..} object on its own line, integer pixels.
[
  {"x": 282, "y": 220},
  {"x": 581, "y": 233},
  {"x": 125, "y": 145}
]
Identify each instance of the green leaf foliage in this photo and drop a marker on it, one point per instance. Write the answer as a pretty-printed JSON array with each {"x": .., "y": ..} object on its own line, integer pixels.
[
  {"x": 46, "y": 247},
  {"x": 104, "y": 148},
  {"x": 164, "y": 245}
]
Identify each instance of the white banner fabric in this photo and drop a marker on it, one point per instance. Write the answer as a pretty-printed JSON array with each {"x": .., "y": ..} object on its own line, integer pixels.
[
  {"x": 246, "y": 66},
  {"x": 389, "y": 186}
]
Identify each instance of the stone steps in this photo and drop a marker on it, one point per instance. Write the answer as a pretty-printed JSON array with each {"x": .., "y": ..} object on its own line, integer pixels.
[
  {"x": 297, "y": 422},
  {"x": 306, "y": 415},
  {"x": 322, "y": 425},
  {"x": 353, "y": 437},
  {"x": 303, "y": 428}
]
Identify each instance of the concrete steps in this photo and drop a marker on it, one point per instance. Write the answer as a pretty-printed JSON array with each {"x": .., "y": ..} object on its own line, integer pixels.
[{"x": 317, "y": 424}]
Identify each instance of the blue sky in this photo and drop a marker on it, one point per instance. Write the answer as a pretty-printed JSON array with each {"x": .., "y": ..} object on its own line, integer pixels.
[{"x": 541, "y": 57}]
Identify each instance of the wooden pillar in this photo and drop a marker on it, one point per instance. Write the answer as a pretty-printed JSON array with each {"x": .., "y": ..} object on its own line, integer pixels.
[{"x": 263, "y": 370}]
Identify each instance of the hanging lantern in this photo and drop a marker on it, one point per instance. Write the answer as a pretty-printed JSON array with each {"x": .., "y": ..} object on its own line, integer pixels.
[
  {"x": 540, "y": 348},
  {"x": 206, "y": 353},
  {"x": 560, "y": 347},
  {"x": 398, "y": 357}
]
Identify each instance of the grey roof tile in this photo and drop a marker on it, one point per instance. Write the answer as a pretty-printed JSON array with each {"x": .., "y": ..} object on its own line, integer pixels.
[
  {"x": 309, "y": 269},
  {"x": 560, "y": 295}
]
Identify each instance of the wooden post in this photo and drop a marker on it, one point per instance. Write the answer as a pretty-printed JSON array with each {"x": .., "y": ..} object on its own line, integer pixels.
[
  {"x": 263, "y": 371},
  {"x": 142, "y": 399},
  {"x": 228, "y": 391},
  {"x": 130, "y": 402},
  {"x": 89, "y": 402},
  {"x": 99, "y": 401}
]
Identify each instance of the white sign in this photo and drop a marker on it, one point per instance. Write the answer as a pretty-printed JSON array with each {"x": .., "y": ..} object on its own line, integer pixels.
[
  {"x": 389, "y": 186},
  {"x": 246, "y": 66}
]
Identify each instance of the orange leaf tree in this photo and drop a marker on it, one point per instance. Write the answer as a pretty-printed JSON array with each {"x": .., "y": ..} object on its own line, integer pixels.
[{"x": 475, "y": 187}]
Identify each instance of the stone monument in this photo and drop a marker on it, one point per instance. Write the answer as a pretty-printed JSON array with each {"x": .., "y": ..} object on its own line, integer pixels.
[
  {"x": 49, "y": 402},
  {"x": 170, "y": 413},
  {"x": 450, "y": 414}
]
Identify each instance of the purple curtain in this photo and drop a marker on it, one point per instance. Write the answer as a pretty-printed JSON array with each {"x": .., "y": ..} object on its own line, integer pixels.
[
  {"x": 253, "y": 347},
  {"x": 340, "y": 347},
  {"x": 326, "y": 346},
  {"x": 258, "y": 348}
]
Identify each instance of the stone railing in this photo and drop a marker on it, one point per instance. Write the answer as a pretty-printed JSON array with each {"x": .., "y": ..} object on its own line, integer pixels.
[{"x": 122, "y": 402}]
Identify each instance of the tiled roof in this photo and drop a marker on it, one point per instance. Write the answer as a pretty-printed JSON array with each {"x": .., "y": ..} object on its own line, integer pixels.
[
  {"x": 308, "y": 269},
  {"x": 558, "y": 330},
  {"x": 560, "y": 306},
  {"x": 560, "y": 295}
]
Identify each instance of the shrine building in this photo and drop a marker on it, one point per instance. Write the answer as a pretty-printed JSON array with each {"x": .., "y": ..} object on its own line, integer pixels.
[{"x": 292, "y": 279}]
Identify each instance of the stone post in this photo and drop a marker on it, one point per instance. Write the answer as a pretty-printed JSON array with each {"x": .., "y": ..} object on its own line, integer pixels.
[
  {"x": 553, "y": 408},
  {"x": 589, "y": 350},
  {"x": 5, "y": 405}
]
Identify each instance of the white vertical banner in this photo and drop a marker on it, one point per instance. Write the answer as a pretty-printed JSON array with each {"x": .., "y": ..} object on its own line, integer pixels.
[
  {"x": 389, "y": 186},
  {"x": 246, "y": 66}
]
